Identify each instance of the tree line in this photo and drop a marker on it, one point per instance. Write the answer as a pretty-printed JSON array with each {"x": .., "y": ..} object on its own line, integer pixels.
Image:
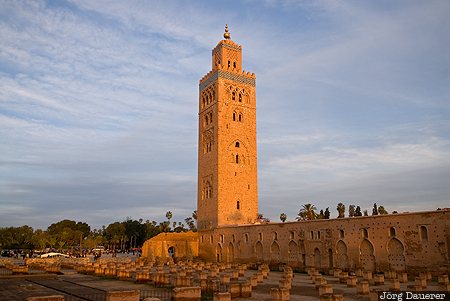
[
  {"x": 309, "y": 212},
  {"x": 68, "y": 234}
]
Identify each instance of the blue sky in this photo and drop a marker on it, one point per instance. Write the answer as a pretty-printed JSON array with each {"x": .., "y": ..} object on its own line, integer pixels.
[{"x": 98, "y": 105}]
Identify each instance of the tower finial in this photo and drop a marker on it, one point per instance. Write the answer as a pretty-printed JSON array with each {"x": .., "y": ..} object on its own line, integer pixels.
[{"x": 226, "y": 35}]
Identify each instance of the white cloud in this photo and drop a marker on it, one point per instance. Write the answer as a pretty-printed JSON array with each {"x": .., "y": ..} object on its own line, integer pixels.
[{"x": 98, "y": 103}]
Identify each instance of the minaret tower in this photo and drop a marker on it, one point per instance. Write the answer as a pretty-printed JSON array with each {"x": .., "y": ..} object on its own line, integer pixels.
[{"x": 227, "y": 157}]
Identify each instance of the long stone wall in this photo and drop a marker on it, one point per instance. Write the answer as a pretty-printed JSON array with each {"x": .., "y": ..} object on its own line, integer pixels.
[{"x": 401, "y": 242}]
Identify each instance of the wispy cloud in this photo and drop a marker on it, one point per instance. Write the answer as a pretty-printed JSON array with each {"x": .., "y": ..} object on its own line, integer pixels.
[{"x": 98, "y": 104}]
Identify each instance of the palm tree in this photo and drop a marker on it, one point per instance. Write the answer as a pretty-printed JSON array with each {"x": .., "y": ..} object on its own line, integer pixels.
[
  {"x": 283, "y": 217},
  {"x": 307, "y": 212},
  {"x": 341, "y": 210},
  {"x": 169, "y": 216}
]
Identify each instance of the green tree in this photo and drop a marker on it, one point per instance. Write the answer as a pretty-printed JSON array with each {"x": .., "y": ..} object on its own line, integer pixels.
[
  {"x": 382, "y": 211},
  {"x": 307, "y": 212},
  {"x": 115, "y": 235},
  {"x": 351, "y": 210},
  {"x": 283, "y": 217},
  {"x": 169, "y": 217},
  {"x": 358, "y": 211},
  {"x": 341, "y": 210},
  {"x": 375, "y": 209},
  {"x": 152, "y": 229},
  {"x": 190, "y": 223},
  {"x": 326, "y": 214},
  {"x": 321, "y": 214},
  {"x": 40, "y": 239},
  {"x": 260, "y": 218}
]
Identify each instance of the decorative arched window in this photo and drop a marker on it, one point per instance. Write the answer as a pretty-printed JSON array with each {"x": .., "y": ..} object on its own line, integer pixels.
[
  {"x": 240, "y": 118},
  {"x": 341, "y": 233},
  {"x": 206, "y": 120},
  {"x": 291, "y": 235},
  {"x": 246, "y": 237},
  {"x": 237, "y": 158},
  {"x": 237, "y": 144},
  {"x": 238, "y": 205},
  {"x": 233, "y": 95},
  {"x": 365, "y": 233},
  {"x": 210, "y": 117},
  {"x": 423, "y": 233},
  {"x": 234, "y": 64},
  {"x": 234, "y": 116},
  {"x": 240, "y": 97},
  {"x": 275, "y": 236},
  {"x": 392, "y": 232},
  {"x": 208, "y": 190}
]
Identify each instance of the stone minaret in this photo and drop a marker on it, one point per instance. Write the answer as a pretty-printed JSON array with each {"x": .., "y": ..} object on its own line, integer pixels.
[{"x": 227, "y": 157}]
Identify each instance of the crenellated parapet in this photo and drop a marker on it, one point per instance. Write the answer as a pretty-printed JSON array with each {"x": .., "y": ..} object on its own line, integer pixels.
[{"x": 243, "y": 77}]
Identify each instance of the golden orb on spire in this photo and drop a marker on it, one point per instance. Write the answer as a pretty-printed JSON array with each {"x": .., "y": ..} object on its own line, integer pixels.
[{"x": 226, "y": 35}]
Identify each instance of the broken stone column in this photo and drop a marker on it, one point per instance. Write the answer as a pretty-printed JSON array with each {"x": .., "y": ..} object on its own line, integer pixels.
[
  {"x": 390, "y": 275},
  {"x": 343, "y": 276},
  {"x": 285, "y": 283},
  {"x": 130, "y": 295},
  {"x": 351, "y": 281},
  {"x": 395, "y": 286},
  {"x": 224, "y": 278},
  {"x": 331, "y": 297},
  {"x": 325, "y": 289},
  {"x": 402, "y": 277},
  {"x": 444, "y": 287},
  {"x": 241, "y": 271},
  {"x": 378, "y": 279},
  {"x": 187, "y": 293},
  {"x": 279, "y": 294},
  {"x": 260, "y": 277},
  {"x": 362, "y": 287},
  {"x": 421, "y": 281},
  {"x": 234, "y": 275},
  {"x": 254, "y": 281},
  {"x": 234, "y": 289},
  {"x": 367, "y": 275},
  {"x": 319, "y": 282},
  {"x": 337, "y": 272},
  {"x": 222, "y": 297},
  {"x": 443, "y": 279},
  {"x": 374, "y": 294},
  {"x": 245, "y": 289}
]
